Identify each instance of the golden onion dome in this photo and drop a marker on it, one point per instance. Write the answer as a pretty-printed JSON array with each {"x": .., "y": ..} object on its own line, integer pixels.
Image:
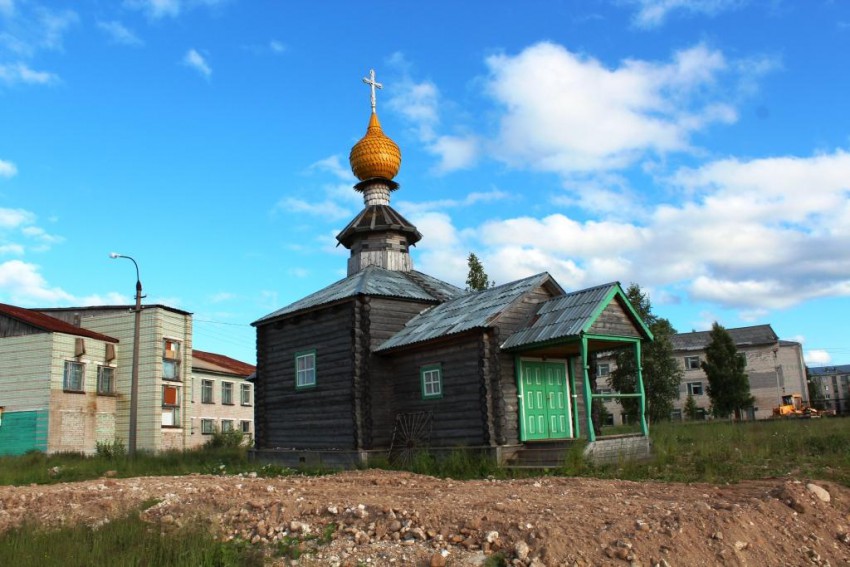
[{"x": 375, "y": 155}]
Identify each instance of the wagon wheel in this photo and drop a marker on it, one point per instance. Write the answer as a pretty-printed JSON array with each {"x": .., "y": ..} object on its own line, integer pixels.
[{"x": 411, "y": 435}]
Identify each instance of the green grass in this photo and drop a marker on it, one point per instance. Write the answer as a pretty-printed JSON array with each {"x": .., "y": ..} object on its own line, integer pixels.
[
  {"x": 721, "y": 452},
  {"x": 127, "y": 542}
]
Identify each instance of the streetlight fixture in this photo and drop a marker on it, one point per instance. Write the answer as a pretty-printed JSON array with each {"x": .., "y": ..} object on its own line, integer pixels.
[{"x": 134, "y": 380}]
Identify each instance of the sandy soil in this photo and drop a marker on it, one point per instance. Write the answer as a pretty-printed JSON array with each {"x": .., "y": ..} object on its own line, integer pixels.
[{"x": 382, "y": 518}]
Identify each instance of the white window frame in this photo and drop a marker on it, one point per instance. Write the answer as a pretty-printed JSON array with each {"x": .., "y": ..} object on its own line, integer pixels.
[
  {"x": 431, "y": 377},
  {"x": 67, "y": 384},
  {"x": 692, "y": 386},
  {"x": 207, "y": 426},
  {"x": 171, "y": 412},
  {"x": 207, "y": 391},
  {"x": 599, "y": 370},
  {"x": 226, "y": 425},
  {"x": 101, "y": 368},
  {"x": 305, "y": 369},
  {"x": 171, "y": 350},
  {"x": 226, "y": 393},
  {"x": 245, "y": 394},
  {"x": 688, "y": 363}
]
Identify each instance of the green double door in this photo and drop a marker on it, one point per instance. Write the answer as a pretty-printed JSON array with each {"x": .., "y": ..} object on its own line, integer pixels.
[{"x": 545, "y": 401}]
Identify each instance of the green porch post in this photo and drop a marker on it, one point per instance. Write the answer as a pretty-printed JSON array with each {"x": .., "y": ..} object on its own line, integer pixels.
[
  {"x": 639, "y": 367},
  {"x": 588, "y": 400},
  {"x": 571, "y": 373}
]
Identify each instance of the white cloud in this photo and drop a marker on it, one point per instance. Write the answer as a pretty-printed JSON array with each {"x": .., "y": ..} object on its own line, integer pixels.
[
  {"x": 21, "y": 73},
  {"x": 14, "y": 218},
  {"x": 221, "y": 297},
  {"x": 12, "y": 249},
  {"x": 40, "y": 235},
  {"x": 412, "y": 208},
  {"x": 276, "y": 46},
  {"x": 22, "y": 283},
  {"x": 157, "y": 9},
  {"x": 454, "y": 152},
  {"x": 54, "y": 25},
  {"x": 816, "y": 357},
  {"x": 570, "y": 114},
  {"x": 7, "y": 7},
  {"x": 197, "y": 61},
  {"x": 333, "y": 165},
  {"x": 326, "y": 208},
  {"x": 7, "y": 169},
  {"x": 298, "y": 272},
  {"x": 653, "y": 13},
  {"x": 118, "y": 33}
]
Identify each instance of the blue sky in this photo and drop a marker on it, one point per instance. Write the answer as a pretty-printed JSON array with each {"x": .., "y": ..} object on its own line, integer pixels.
[{"x": 698, "y": 147}]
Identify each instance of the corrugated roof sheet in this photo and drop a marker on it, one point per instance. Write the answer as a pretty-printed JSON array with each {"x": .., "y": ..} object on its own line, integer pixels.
[
  {"x": 374, "y": 281},
  {"x": 829, "y": 370},
  {"x": 469, "y": 311},
  {"x": 51, "y": 324},
  {"x": 562, "y": 317},
  {"x": 218, "y": 362},
  {"x": 743, "y": 336}
]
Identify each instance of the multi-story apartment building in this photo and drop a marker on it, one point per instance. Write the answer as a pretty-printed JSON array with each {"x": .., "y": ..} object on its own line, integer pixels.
[
  {"x": 831, "y": 387},
  {"x": 171, "y": 413},
  {"x": 774, "y": 367}
]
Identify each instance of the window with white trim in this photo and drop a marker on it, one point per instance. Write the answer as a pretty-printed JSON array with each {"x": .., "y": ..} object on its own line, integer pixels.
[
  {"x": 206, "y": 391},
  {"x": 227, "y": 393},
  {"x": 431, "y": 377},
  {"x": 105, "y": 380},
  {"x": 170, "y": 359},
  {"x": 207, "y": 427},
  {"x": 170, "y": 406},
  {"x": 603, "y": 370},
  {"x": 695, "y": 389},
  {"x": 305, "y": 369},
  {"x": 692, "y": 363},
  {"x": 73, "y": 379},
  {"x": 245, "y": 425},
  {"x": 245, "y": 394},
  {"x": 226, "y": 425}
]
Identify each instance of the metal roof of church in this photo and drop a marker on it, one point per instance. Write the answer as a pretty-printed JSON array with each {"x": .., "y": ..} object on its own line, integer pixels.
[
  {"x": 742, "y": 336},
  {"x": 373, "y": 280},
  {"x": 469, "y": 311},
  {"x": 565, "y": 316}
]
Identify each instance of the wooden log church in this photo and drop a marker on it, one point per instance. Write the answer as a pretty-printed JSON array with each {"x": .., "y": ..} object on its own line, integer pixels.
[{"x": 390, "y": 359}]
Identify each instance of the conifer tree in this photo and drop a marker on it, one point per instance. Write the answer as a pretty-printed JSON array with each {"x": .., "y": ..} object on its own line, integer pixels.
[
  {"x": 728, "y": 384},
  {"x": 691, "y": 408},
  {"x": 477, "y": 279}
]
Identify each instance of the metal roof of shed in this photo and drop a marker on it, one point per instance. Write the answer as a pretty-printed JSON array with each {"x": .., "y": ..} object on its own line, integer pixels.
[
  {"x": 375, "y": 281},
  {"x": 472, "y": 310},
  {"x": 742, "y": 336},
  {"x": 50, "y": 324}
]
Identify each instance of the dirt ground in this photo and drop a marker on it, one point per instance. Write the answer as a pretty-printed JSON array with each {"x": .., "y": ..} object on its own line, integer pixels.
[{"x": 383, "y": 518}]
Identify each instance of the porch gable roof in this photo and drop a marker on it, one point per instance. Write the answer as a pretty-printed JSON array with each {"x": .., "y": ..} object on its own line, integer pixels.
[{"x": 572, "y": 315}]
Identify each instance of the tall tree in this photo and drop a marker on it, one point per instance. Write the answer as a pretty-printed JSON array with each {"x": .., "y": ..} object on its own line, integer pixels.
[
  {"x": 477, "y": 279},
  {"x": 661, "y": 374},
  {"x": 728, "y": 384}
]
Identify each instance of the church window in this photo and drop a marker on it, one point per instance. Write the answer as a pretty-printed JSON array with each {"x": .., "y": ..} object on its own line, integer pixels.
[
  {"x": 305, "y": 369},
  {"x": 431, "y": 377}
]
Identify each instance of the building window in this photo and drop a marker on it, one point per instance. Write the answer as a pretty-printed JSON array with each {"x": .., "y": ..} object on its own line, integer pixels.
[
  {"x": 245, "y": 426},
  {"x": 207, "y": 427},
  {"x": 170, "y": 406},
  {"x": 432, "y": 381},
  {"x": 170, "y": 360},
  {"x": 105, "y": 380},
  {"x": 603, "y": 370},
  {"x": 245, "y": 393},
  {"x": 226, "y": 425},
  {"x": 206, "y": 391},
  {"x": 305, "y": 369},
  {"x": 73, "y": 378},
  {"x": 691, "y": 363},
  {"x": 227, "y": 393},
  {"x": 695, "y": 388}
]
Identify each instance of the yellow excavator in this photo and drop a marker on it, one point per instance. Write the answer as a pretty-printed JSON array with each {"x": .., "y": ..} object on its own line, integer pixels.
[{"x": 792, "y": 406}]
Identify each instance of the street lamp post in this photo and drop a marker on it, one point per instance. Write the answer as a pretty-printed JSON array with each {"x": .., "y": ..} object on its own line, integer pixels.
[{"x": 134, "y": 379}]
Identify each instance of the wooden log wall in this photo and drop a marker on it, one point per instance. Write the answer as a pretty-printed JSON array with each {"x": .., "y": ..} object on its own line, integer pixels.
[
  {"x": 315, "y": 418},
  {"x": 513, "y": 319},
  {"x": 387, "y": 316},
  {"x": 460, "y": 415}
]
